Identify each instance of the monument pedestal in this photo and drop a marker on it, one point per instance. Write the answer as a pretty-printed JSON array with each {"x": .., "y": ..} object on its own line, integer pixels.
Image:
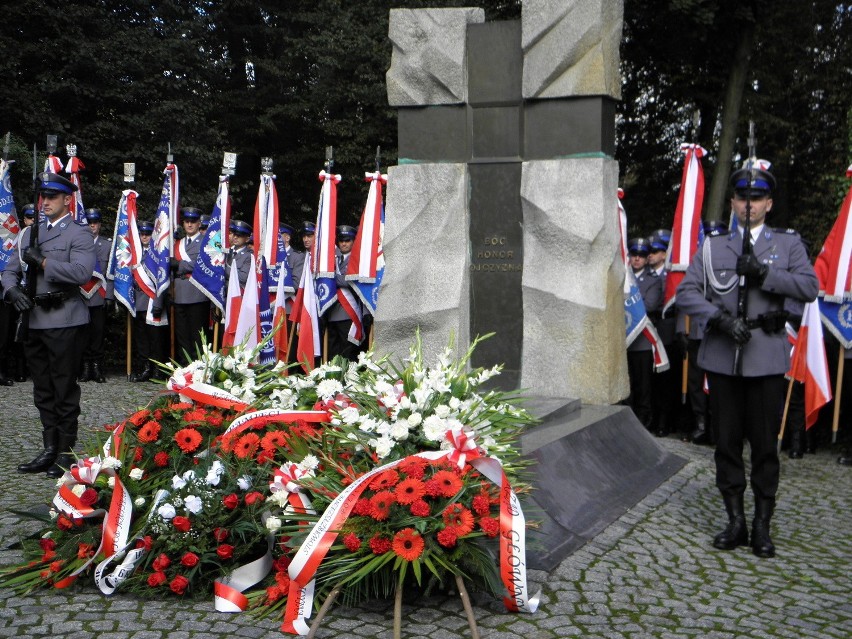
[{"x": 590, "y": 465}]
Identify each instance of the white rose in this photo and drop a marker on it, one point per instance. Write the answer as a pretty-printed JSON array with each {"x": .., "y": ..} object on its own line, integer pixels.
[
  {"x": 455, "y": 402},
  {"x": 415, "y": 419},
  {"x": 228, "y": 384},
  {"x": 244, "y": 482},
  {"x": 214, "y": 474},
  {"x": 166, "y": 511},
  {"x": 178, "y": 482},
  {"x": 383, "y": 447},
  {"x": 228, "y": 364},
  {"x": 279, "y": 498},
  {"x": 136, "y": 473},
  {"x": 189, "y": 475},
  {"x": 368, "y": 425},
  {"x": 193, "y": 504},
  {"x": 111, "y": 462},
  {"x": 273, "y": 524},
  {"x": 399, "y": 431}
]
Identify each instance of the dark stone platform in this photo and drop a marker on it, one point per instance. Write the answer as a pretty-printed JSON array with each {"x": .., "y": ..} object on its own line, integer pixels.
[{"x": 590, "y": 464}]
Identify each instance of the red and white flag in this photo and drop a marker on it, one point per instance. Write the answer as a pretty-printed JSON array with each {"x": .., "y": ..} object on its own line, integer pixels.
[
  {"x": 687, "y": 221},
  {"x": 324, "y": 247},
  {"x": 232, "y": 309},
  {"x": 248, "y": 322},
  {"x": 365, "y": 251},
  {"x": 833, "y": 265},
  {"x": 809, "y": 364},
  {"x": 305, "y": 313},
  {"x": 266, "y": 221},
  {"x": 279, "y": 321}
]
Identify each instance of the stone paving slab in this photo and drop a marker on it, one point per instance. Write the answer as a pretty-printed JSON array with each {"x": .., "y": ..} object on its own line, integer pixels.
[{"x": 651, "y": 574}]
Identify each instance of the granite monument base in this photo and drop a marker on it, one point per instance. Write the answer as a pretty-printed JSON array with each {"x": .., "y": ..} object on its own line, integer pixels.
[{"x": 590, "y": 464}]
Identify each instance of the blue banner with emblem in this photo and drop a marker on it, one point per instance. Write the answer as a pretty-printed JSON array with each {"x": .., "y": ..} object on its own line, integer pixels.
[
  {"x": 635, "y": 316},
  {"x": 208, "y": 276},
  {"x": 9, "y": 228},
  {"x": 121, "y": 258},
  {"x": 837, "y": 319},
  {"x": 266, "y": 356},
  {"x": 156, "y": 259}
]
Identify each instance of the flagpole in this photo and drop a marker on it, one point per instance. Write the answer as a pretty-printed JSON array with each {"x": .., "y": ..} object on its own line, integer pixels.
[
  {"x": 685, "y": 372},
  {"x": 170, "y": 158},
  {"x": 130, "y": 178},
  {"x": 838, "y": 387},
  {"x": 786, "y": 410}
]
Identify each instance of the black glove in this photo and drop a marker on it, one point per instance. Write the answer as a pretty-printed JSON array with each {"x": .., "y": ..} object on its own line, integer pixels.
[
  {"x": 157, "y": 312},
  {"x": 749, "y": 266},
  {"x": 109, "y": 306},
  {"x": 217, "y": 314},
  {"x": 18, "y": 298},
  {"x": 33, "y": 256},
  {"x": 174, "y": 264},
  {"x": 682, "y": 340},
  {"x": 733, "y": 326}
]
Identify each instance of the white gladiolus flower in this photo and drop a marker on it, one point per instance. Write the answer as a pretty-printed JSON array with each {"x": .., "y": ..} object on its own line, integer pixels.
[
  {"x": 349, "y": 415},
  {"x": 422, "y": 395},
  {"x": 434, "y": 428},
  {"x": 166, "y": 511},
  {"x": 442, "y": 411},
  {"x": 415, "y": 419},
  {"x": 309, "y": 463},
  {"x": 111, "y": 462},
  {"x": 273, "y": 524},
  {"x": 136, "y": 473},
  {"x": 198, "y": 376},
  {"x": 405, "y": 402},
  {"x": 244, "y": 482},
  {"x": 193, "y": 504}
]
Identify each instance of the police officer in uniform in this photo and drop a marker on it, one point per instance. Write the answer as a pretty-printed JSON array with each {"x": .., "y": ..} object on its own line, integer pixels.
[
  {"x": 746, "y": 400},
  {"x": 192, "y": 308},
  {"x": 99, "y": 306},
  {"x": 307, "y": 233},
  {"x": 61, "y": 261},
  {"x": 640, "y": 356},
  {"x": 239, "y": 254},
  {"x": 338, "y": 321},
  {"x": 150, "y": 342}
]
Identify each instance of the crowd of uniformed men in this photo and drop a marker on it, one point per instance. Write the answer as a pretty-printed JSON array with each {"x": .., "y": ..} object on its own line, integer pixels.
[
  {"x": 64, "y": 343},
  {"x": 736, "y": 364}
]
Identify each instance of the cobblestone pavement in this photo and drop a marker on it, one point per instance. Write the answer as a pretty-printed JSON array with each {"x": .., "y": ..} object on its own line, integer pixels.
[{"x": 652, "y": 573}]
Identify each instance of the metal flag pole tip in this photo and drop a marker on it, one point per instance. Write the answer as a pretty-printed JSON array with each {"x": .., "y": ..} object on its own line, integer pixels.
[
  {"x": 130, "y": 172},
  {"x": 229, "y": 163},
  {"x": 266, "y": 164},
  {"x": 51, "y": 144}
]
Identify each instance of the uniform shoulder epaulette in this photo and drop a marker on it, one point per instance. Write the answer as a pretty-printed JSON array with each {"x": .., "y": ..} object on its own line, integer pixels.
[
  {"x": 717, "y": 232},
  {"x": 786, "y": 231}
]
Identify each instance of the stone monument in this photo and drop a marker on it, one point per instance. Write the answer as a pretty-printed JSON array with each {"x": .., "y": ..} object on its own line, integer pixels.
[{"x": 501, "y": 214}]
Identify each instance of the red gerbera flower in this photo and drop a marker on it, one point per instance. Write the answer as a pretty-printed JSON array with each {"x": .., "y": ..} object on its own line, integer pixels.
[
  {"x": 409, "y": 490},
  {"x": 179, "y": 406},
  {"x": 138, "y": 418},
  {"x": 380, "y": 505},
  {"x": 273, "y": 440},
  {"x": 408, "y": 544},
  {"x": 247, "y": 446},
  {"x": 215, "y": 420},
  {"x": 449, "y": 482},
  {"x": 188, "y": 439},
  {"x": 149, "y": 432},
  {"x": 384, "y": 480},
  {"x": 460, "y": 518},
  {"x": 196, "y": 415}
]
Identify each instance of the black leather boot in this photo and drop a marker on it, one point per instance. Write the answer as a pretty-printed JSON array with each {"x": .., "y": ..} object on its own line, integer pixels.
[
  {"x": 6, "y": 381},
  {"x": 21, "y": 375},
  {"x": 86, "y": 375},
  {"x": 761, "y": 544},
  {"x": 46, "y": 458},
  {"x": 97, "y": 375},
  {"x": 736, "y": 532},
  {"x": 65, "y": 458},
  {"x": 797, "y": 443},
  {"x": 699, "y": 435},
  {"x": 146, "y": 374}
]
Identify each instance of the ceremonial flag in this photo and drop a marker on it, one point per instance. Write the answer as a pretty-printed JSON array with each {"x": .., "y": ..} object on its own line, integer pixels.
[
  {"x": 325, "y": 243},
  {"x": 162, "y": 240},
  {"x": 73, "y": 168},
  {"x": 9, "y": 227},
  {"x": 248, "y": 321},
  {"x": 837, "y": 318},
  {"x": 305, "y": 312},
  {"x": 367, "y": 260},
  {"x": 264, "y": 314},
  {"x": 809, "y": 364},
  {"x": 279, "y": 316},
  {"x": 141, "y": 275},
  {"x": 687, "y": 222},
  {"x": 266, "y": 219},
  {"x": 833, "y": 265},
  {"x": 232, "y": 308},
  {"x": 119, "y": 268},
  {"x": 52, "y": 164},
  {"x": 208, "y": 276}
]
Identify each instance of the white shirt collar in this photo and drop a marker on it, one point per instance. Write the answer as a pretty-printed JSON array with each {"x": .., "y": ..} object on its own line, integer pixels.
[{"x": 755, "y": 232}]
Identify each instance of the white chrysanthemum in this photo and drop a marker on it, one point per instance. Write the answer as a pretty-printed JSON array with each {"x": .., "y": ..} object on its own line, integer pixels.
[
  {"x": 139, "y": 502},
  {"x": 111, "y": 462},
  {"x": 137, "y": 473},
  {"x": 244, "y": 482},
  {"x": 309, "y": 463},
  {"x": 368, "y": 425},
  {"x": 434, "y": 428},
  {"x": 442, "y": 411},
  {"x": 78, "y": 489},
  {"x": 328, "y": 388},
  {"x": 383, "y": 387},
  {"x": 399, "y": 430},
  {"x": 415, "y": 419},
  {"x": 383, "y": 447},
  {"x": 193, "y": 504},
  {"x": 273, "y": 523},
  {"x": 214, "y": 473},
  {"x": 166, "y": 511}
]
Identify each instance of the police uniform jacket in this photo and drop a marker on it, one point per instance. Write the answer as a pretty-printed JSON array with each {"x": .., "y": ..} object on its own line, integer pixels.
[
  {"x": 103, "y": 248},
  {"x": 665, "y": 325},
  {"x": 711, "y": 286},
  {"x": 296, "y": 259},
  {"x": 336, "y": 312},
  {"x": 651, "y": 287},
  {"x": 70, "y": 257},
  {"x": 241, "y": 258},
  {"x": 185, "y": 291}
]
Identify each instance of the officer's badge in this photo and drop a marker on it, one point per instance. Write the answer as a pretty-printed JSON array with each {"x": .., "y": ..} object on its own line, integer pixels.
[
  {"x": 213, "y": 249},
  {"x": 122, "y": 253}
]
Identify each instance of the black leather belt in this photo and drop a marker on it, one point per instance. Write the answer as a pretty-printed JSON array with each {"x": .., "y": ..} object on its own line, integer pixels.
[{"x": 54, "y": 299}]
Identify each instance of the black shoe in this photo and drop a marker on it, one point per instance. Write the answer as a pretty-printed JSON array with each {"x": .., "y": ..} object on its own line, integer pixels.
[
  {"x": 736, "y": 532},
  {"x": 6, "y": 381},
  {"x": 97, "y": 375},
  {"x": 20, "y": 378},
  {"x": 42, "y": 462},
  {"x": 844, "y": 460},
  {"x": 761, "y": 544},
  {"x": 796, "y": 454},
  {"x": 699, "y": 435},
  {"x": 63, "y": 463},
  {"x": 86, "y": 375}
]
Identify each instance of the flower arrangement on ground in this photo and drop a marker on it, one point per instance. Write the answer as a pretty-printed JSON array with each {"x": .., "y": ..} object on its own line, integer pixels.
[{"x": 263, "y": 488}]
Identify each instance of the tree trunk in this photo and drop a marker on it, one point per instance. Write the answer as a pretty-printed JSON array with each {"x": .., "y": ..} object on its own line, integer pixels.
[{"x": 716, "y": 209}]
